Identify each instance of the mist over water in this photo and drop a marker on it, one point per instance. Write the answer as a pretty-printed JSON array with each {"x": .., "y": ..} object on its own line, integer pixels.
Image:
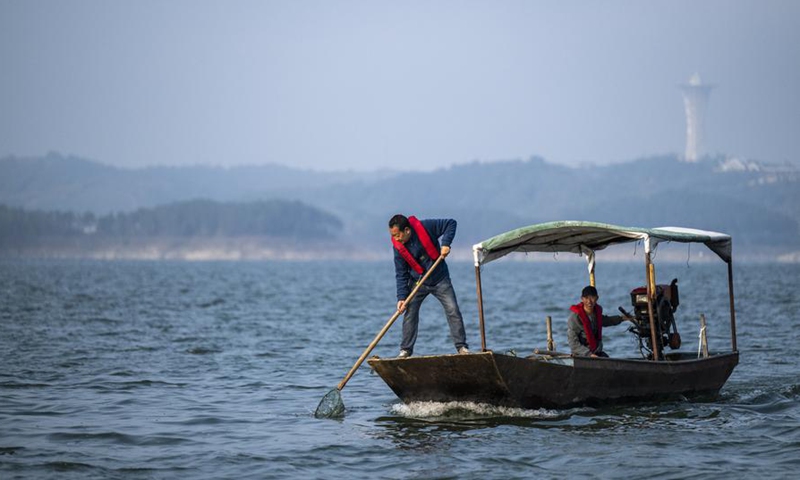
[{"x": 213, "y": 370}]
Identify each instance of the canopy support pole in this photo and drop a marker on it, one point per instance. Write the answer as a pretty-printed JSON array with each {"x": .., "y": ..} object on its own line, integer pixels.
[
  {"x": 480, "y": 305},
  {"x": 476, "y": 256},
  {"x": 733, "y": 310},
  {"x": 651, "y": 293}
]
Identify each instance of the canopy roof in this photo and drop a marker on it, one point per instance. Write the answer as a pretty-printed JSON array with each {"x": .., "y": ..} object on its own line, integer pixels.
[{"x": 586, "y": 237}]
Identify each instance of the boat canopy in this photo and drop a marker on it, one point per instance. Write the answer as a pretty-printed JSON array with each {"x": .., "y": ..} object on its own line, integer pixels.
[{"x": 586, "y": 237}]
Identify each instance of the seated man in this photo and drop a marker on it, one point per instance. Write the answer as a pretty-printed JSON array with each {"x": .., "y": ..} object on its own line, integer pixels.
[{"x": 584, "y": 331}]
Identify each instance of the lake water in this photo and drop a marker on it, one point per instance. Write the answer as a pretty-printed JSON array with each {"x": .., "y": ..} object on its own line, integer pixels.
[{"x": 209, "y": 370}]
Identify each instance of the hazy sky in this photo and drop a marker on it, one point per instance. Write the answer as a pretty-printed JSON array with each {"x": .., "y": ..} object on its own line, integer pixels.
[{"x": 402, "y": 85}]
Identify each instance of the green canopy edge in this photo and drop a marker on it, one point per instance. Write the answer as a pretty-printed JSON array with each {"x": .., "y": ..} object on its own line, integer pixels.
[{"x": 583, "y": 237}]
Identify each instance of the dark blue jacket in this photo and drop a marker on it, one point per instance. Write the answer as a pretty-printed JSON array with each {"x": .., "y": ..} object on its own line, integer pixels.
[{"x": 405, "y": 276}]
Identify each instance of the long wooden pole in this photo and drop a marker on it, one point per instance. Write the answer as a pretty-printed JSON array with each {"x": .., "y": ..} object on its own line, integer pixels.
[
  {"x": 480, "y": 306},
  {"x": 388, "y": 324},
  {"x": 733, "y": 310}
]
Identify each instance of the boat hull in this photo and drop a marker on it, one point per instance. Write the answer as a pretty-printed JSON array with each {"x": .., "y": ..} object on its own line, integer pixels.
[{"x": 550, "y": 381}]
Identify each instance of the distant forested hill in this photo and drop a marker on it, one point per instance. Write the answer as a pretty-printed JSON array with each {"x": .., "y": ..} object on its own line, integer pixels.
[
  {"x": 757, "y": 203},
  {"x": 70, "y": 183}
]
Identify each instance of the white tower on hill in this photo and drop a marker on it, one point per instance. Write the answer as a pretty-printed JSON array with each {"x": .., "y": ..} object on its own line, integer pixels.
[{"x": 695, "y": 101}]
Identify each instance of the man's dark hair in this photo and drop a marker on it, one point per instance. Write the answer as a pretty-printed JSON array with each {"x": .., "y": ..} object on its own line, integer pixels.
[
  {"x": 589, "y": 291},
  {"x": 399, "y": 221}
]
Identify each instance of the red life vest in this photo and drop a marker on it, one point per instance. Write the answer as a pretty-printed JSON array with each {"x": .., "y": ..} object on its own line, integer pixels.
[
  {"x": 426, "y": 241},
  {"x": 587, "y": 325}
]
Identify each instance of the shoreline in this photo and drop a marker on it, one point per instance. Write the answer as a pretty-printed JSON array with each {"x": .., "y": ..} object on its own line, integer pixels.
[{"x": 246, "y": 251}]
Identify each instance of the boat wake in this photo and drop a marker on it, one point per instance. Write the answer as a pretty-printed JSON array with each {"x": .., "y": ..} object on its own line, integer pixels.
[{"x": 469, "y": 409}]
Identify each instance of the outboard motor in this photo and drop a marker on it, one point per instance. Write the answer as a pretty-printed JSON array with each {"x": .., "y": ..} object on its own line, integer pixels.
[{"x": 667, "y": 301}]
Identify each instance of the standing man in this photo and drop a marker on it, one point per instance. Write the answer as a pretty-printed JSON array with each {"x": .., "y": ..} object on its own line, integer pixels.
[
  {"x": 416, "y": 248},
  {"x": 585, "y": 325}
]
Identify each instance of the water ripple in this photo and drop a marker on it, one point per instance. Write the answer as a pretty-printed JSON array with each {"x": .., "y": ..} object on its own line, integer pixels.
[{"x": 213, "y": 370}]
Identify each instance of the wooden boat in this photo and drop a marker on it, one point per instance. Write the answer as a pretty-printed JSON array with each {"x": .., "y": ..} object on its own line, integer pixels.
[{"x": 551, "y": 379}]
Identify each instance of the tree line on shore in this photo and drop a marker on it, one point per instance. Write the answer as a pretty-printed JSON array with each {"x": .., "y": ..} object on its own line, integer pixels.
[{"x": 194, "y": 218}]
